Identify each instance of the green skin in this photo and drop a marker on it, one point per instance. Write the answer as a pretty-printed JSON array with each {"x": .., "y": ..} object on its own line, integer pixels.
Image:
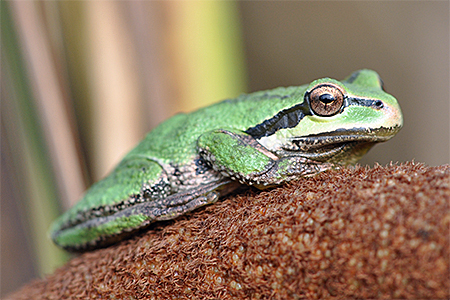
[{"x": 262, "y": 139}]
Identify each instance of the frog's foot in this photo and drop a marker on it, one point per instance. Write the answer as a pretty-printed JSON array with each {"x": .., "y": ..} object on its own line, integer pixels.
[
  {"x": 284, "y": 170},
  {"x": 180, "y": 205}
]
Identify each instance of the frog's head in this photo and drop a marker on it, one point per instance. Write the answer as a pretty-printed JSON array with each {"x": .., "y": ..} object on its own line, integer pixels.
[{"x": 339, "y": 121}]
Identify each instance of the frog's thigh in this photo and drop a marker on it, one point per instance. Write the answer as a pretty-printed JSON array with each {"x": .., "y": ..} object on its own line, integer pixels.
[{"x": 235, "y": 153}]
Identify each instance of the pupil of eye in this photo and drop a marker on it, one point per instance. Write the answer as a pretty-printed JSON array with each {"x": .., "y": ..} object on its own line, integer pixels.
[{"x": 326, "y": 98}]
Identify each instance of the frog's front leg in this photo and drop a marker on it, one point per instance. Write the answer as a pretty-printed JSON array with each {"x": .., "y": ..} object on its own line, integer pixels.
[{"x": 239, "y": 156}]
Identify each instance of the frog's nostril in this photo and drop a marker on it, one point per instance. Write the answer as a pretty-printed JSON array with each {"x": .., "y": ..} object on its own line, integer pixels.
[{"x": 378, "y": 104}]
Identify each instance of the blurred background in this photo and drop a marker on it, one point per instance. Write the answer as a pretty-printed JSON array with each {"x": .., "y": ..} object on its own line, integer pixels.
[{"x": 83, "y": 81}]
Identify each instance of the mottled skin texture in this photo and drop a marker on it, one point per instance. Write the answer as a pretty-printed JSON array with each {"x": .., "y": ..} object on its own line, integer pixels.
[{"x": 263, "y": 139}]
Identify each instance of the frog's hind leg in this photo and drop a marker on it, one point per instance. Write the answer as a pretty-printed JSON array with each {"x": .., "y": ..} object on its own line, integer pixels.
[
  {"x": 121, "y": 224},
  {"x": 184, "y": 202}
]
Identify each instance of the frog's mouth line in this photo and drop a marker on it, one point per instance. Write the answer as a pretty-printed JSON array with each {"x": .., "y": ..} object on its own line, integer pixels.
[
  {"x": 329, "y": 144},
  {"x": 333, "y": 149}
]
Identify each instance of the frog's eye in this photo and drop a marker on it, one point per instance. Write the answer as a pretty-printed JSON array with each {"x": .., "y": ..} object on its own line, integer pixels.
[{"x": 326, "y": 99}]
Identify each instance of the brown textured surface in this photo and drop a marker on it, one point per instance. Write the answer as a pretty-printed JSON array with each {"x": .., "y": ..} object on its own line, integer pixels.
[{"x": 366, "y": 233}]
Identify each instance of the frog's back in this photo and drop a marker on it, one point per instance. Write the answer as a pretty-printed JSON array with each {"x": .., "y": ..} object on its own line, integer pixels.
[{"x": 175, "y": 140}]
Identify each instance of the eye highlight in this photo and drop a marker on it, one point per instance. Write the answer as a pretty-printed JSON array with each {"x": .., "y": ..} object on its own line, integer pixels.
[{"x": 325, "y": 99}]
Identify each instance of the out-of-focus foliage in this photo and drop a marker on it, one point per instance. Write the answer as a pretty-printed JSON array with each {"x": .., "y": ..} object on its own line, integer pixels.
[{"x": 82, "y": 81}]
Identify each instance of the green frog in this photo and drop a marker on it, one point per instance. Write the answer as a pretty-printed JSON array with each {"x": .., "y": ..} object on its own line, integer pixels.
[{"x": 261, "y": 139}]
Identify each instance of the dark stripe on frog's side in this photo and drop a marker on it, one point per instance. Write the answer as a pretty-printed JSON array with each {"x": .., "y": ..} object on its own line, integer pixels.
[
  {"x": 287, "y": 118},
  {"x": 161, "y": 188},
  {"x": 292, "y": 116},
  {"x": 101, "y": 211}
]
